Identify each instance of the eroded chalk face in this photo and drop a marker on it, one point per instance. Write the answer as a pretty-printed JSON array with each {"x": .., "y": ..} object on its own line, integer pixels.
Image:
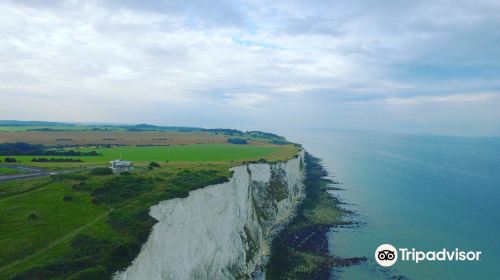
[{"x": 220, "y": 231}]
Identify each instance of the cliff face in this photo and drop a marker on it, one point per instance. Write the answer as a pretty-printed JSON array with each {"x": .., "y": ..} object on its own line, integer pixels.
[{"x": 221, "y": 231}]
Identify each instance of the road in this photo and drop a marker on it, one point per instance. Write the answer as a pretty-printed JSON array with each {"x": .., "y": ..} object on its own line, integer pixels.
[
  {"x": 21, "y": 167},
  {"x": 29, "y": 175},
  {"x": 33, "y": 173}
]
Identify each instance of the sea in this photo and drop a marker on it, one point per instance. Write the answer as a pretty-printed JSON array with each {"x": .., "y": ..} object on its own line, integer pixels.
[{"x": 427, "y": 192}]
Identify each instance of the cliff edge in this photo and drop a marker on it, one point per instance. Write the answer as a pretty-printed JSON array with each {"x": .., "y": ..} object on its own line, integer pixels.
[{"x": 221, "y": 231}]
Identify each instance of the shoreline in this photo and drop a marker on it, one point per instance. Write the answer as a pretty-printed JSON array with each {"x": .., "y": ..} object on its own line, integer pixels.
[
  {"x": 300, "y": 250},
  {"x": 233, "y": 220}
]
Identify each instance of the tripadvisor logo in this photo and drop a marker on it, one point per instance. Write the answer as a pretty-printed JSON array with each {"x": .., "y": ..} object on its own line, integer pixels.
[{"x": 387, "y": 255}]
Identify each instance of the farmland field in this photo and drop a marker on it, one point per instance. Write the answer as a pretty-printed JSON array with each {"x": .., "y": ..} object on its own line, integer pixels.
[
  {"x": 59, "y": 127},
  {"x": 55, "y": 138},
  {"x": 203, "y": 152},
  {"x": 177, "y": 153}
]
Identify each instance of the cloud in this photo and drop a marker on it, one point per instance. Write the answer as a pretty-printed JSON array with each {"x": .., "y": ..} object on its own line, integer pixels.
[
  {"x": 455, "y": 98},
  {"x": 245, "y": 58},
  {"x": 246, "y": 100}
]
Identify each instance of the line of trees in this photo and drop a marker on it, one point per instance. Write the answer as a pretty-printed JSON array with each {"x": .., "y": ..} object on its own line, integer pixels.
[
  {"x": 237, "y": 141},
  {"x": 26, "y": 149},
  {"x": 9, "y": 160},
  {"x": 56, "y": 160}
]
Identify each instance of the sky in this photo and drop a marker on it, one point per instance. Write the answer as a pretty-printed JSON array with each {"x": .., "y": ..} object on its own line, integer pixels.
[{"x": 391, "y": 65}]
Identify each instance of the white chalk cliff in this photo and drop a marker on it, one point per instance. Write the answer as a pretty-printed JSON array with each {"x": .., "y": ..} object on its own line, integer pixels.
[{"x": 221, "y": 231}]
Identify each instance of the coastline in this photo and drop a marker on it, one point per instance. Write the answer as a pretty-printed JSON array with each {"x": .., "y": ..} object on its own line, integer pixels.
[
  {"x": 233, "y": 220},
  {"x": 300, "y": 250}
]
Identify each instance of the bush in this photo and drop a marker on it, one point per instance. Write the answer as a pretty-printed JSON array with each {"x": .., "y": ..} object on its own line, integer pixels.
[
  {"x": 82, "y": 186},
  {"x": 87, "y": 245},
  {"x": 25, "y": 149},
  {"x": 71, "y": 176},
  {"x": 238, "y": 141},
  {"x": 19, "y": 148},
  {"x": 189, "y": 180},
  {"x": 122, "y": 188},
  {"x": 33, "y": 216},
  {"x": 90, "y": 274},
  {"x": 280, "y": 142},
  {"x": 101, "y": 171},
  {"x": 55, "y": 160},
  {"x": 132, "y": 221},
  {"x": 9, "y": 160},
  {"x": 154, "y": 164}
]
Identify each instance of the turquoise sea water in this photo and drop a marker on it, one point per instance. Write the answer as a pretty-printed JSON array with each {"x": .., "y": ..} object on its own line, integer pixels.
[{"x": 413, "y": 191}]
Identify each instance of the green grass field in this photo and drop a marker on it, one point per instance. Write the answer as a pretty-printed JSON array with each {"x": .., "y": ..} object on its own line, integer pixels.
[
  {"x": 177, "y": 153},
  {"x": 202, "y": 152},
  {"x": 25, "y": 234}
]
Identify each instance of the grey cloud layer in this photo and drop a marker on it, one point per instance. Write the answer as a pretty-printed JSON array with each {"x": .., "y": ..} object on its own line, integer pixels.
[{"x": 351, "y": 63}]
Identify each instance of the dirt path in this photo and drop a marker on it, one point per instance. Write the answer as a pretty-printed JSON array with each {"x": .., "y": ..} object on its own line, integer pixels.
[{"x": 35, "y": 174}]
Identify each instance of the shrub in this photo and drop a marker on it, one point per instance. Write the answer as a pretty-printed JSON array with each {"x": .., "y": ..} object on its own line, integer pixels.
[
  {"x": 87, "y": 245},
  {"x": 9, "y": 160},
  {"x": 154, "y": 164},
  {"x": 71, "y": 176},
  {"x": 238, "y": 141},
  {"x": 190, "y": 180},
  {"x": 19, "y": 148},
  {"x": 280, "y": 142},
  {"x": 132, "y": 221},
  {"x": 33, "y": 216},
  {"x": 122, "y": 188},
  {"x": 56, "y": 160},
  {"x": 22, "y": 148},
  {"x": 82, "y": 186},
  {"x": 90, "y": 274}
]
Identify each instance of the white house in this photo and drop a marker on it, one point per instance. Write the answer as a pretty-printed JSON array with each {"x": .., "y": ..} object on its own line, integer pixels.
[{"x": 119, "y": 165}]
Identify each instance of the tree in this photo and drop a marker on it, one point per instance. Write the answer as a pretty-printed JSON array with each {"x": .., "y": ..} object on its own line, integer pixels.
[
  {"x": 9, "y": 160},
  {"x": 239, "y": 141},
  {"x": 101, "y": 171},
  {"x": 153, "y": 164}
]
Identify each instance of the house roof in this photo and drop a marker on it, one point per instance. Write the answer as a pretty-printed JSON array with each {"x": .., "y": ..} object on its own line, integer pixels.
[{"x": 120, "y": 162}]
